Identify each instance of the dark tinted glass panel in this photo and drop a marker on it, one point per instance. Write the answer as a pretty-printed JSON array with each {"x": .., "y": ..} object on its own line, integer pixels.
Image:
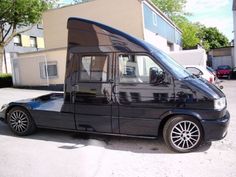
[
  {"x": 136, "y": 68},
  {"x": 94, "y": 68}
]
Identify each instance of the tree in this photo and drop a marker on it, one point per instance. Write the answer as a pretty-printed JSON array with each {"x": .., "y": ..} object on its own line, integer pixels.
[
  {"x": 17, "y": 13},
  {"x": 171, "y": 7},
  {"x": 212, "y": 37},
  {"x": 192, "y": 33},
  {"x": 190, "y": 30}
]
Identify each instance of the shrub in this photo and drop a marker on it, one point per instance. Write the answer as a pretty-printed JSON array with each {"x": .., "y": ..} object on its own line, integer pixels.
[{"x": 5, "y": 80}]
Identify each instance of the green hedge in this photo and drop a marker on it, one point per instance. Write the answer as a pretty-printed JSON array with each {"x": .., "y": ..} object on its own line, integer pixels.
[{"x": 5, "y": 80}]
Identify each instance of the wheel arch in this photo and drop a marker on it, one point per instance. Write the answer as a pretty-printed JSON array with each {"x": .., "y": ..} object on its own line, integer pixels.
[
  {"x": 168, "y": 115},
  {"x": 13, "y": 106}
]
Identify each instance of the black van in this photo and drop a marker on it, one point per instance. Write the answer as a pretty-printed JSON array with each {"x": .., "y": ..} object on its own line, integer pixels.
[{"x": 120, "y": 85}]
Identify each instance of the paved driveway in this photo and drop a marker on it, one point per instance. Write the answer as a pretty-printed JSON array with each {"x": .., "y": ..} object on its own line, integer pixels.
[{"x": 51, "y": 153}]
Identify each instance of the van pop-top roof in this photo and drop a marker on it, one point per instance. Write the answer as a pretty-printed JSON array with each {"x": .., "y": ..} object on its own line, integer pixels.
[{"x": 90, "y": 36}]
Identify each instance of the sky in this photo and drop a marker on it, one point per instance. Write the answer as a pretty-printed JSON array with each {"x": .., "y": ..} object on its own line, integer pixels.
[{"x": 211, "y": 13}]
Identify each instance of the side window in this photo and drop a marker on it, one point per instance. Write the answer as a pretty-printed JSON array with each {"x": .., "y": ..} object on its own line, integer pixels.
[
  {"x": 33, "y": 41},
  {"x": 17, "y": 40},
  {"x": 136, "y": 68},
  {"x": 194, "y": 71},
  {"x": 94, "y": 68}
]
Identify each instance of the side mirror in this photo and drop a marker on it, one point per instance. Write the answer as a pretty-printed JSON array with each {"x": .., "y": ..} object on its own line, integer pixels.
[
  {"x": 198, "y": 75},
  {"x": 156, "y": 76}
]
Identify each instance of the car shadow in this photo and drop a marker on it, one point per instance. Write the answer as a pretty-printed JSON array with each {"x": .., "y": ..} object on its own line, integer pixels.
[{"x": 74, "y": 140}]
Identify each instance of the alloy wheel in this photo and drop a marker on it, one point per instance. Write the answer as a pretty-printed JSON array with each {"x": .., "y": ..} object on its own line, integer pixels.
[
  {"x": 19, "y": 121},
  {"x": 185, "y": 135}
]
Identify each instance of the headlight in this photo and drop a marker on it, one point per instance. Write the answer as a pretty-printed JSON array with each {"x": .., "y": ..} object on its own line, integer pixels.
[{"x": 220, "y": 103}]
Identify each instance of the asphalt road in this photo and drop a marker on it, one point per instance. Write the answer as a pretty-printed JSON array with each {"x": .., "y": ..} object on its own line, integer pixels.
[{"x": 51, "y": 153}]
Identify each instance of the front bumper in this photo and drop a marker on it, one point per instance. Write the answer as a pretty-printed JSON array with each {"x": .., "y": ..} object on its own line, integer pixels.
[{"x": 216, "y": 129}]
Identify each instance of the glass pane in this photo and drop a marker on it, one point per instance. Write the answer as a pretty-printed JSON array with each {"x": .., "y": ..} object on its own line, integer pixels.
[
  {"x": 94, "y": 68},
  {"x": 99, "y": 68},
  {"x": 85, "y": 68},
  {"x": 194, "y": 71},
  {"x": 17, "y": 39},
  {"x": 136, "y": 69},
  {"x": 33, "y": 41},
  {"x": 52, "y": 70}
]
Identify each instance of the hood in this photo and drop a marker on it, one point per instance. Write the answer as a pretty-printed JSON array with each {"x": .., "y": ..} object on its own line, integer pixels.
[
  {"x": 224, "y": 71},
  {"x": 204, "y": 87},
  {"x": 33, "y": 103}
]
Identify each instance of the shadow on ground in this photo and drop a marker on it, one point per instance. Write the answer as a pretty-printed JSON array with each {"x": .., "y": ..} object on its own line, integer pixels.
[{"x": 72, "y": 140}]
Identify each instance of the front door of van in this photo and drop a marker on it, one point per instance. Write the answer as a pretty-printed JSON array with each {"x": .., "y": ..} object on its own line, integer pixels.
[
  {"x": 140, "y": 95},
  {"x": 93, "y": 102}
]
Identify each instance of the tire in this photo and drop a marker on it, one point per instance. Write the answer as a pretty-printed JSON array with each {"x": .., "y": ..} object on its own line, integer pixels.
[
  {"x": 182, "y": 134},
  {"x": 20, "y": 121}
]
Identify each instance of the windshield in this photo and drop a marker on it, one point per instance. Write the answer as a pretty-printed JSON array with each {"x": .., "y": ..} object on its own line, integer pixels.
[
  {"x": 175, "y": 68},
  {"x": 223, "y": 67}
]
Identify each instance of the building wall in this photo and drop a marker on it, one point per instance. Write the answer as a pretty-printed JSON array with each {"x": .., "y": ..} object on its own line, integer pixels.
[
  {"x": 222, "y": 56},
  {"x": 159, "y": 31},
  {"x": 12, "y": 49},
  {"x": 27, "y": 68},
  {"x": 8, "y": 64},
  {"x": 36, "y": 31},
  {"x": 221, "y": 60},
  {"x": 190, "y": 57},
  {"x": 123, "y": 14}
]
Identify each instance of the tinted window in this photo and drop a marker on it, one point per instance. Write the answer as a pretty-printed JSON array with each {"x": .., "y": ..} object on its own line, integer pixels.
[
  {"x": 93, "y": 68},
  {"x": 178, "y": 70},
  {"x": 136, "y": 68}
]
